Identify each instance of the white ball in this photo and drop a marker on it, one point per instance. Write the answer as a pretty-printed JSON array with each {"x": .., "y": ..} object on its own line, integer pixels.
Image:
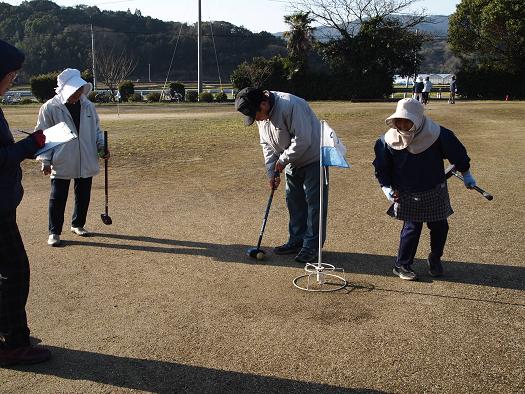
[{"x": 260, "y": 256}]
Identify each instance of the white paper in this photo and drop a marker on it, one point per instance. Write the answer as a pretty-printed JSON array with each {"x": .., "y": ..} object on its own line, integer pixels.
[{"x": 57, "y": 135}]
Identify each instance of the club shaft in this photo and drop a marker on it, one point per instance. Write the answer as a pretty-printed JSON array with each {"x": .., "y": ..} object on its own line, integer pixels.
[
  {"x": 106, "y": 171},
  {"x": 265, "y": 219},
  {"x": 485, "y": 194}
]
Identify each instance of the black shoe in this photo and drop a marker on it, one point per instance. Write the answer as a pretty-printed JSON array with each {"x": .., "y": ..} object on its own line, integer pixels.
[
  {"x": 287, "y": 248},
  {"x": 24, "y": 355},
  {"x": 405, "y": 272},
  {"x": 306, "y": 256},
  {"x": 435, "y": 268}
]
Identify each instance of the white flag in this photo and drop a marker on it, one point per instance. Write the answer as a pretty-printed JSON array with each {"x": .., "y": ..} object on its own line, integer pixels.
[{"x": 333, "y": 151}]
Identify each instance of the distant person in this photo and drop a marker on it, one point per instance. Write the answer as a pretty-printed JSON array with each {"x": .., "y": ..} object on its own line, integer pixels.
[
  {"x": 15, "y": 347},
  {"x": 418, "y": 89},
  {"x": 453, "y": 90},
  {"x": 427, "y": 88},
  {"x": 409, "y": 167},
  {"x": 76, "y": 159},
  {"x": 289, "y": 134}
]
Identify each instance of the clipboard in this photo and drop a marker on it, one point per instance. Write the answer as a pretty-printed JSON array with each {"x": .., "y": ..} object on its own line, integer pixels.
[{"x": 55, "y": 136}]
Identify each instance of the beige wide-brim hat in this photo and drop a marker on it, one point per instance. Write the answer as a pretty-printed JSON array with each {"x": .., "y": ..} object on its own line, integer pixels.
[
  {"x": 69, "y": 81},
  {"x": 407, "y": 108}
]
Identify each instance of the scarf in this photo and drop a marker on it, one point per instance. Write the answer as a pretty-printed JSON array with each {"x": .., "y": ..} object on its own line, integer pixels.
[{"x": 417, "y": 140}]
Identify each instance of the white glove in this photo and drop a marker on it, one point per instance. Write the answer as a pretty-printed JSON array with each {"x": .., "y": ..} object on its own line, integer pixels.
[
  {"x": 468, "y": 180},
  {"x": 389, "y": 193}
]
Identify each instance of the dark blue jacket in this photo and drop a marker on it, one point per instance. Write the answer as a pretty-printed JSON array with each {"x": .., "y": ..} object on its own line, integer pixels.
[
  {"x": 11, "y": 155},
  {"x": 410, "y": 172}
]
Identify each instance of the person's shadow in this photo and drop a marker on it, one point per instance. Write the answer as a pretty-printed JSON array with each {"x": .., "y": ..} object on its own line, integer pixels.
[
  {"x": 159, "y": 376},
  {"x": 493, "y": 275}
]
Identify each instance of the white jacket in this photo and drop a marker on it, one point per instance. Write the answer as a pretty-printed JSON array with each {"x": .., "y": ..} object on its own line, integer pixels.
[{"x": 77, "y": 158}]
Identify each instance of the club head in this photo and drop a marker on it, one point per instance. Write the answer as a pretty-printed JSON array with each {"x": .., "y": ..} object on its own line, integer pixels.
[
  {"x": 256, "y": 253},
  {"x": 106, "y": 219},
  {"x": 450, "y": 171}
]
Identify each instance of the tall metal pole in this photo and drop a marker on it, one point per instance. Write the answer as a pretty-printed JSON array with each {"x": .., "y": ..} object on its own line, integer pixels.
[
  {"x": 93, "y": 58},
  {"x": 199, "y": 50}
]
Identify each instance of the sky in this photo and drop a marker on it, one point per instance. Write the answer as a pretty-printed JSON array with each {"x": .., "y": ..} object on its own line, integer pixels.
[{"x": 255, "y": 15}]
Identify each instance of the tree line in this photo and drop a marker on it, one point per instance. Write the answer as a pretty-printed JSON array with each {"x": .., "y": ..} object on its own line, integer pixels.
[
  {"x": 373, "y": 41},
  {"x": 55, "y": 37}
]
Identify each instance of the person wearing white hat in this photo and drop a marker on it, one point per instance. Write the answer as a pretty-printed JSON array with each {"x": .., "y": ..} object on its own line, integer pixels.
[
  {"x": 76, "y": 159},
  {"x": 409, "y": 167}
]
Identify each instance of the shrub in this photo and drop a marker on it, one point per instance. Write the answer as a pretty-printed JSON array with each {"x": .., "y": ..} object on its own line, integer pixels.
[
  {"x": 43, "y": 86},
  {"x": 153, "y": 97},
  {"x": 178, "y": 89},
  {"x": 126, "y": 89},
  {"x": 206, "y": 97},
  {"x": 102, "y": 97},
  {"x": 92, "y": 96},
  {"x": 192, "y": 96},
  {"x": 221, "y": 97},
  {"x": 262, "y": 73},
  {"x": 25, "y": 101},
  {"x": 135, "y": 98}
]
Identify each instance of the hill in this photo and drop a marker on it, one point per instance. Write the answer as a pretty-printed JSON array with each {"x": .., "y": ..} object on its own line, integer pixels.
[{"x": 55, "y": 37}]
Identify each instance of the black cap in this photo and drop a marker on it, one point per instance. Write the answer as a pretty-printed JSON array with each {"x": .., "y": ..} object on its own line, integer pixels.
[
  {"x": 247, "y": 102},
  {"x": 12, "y": 59}
]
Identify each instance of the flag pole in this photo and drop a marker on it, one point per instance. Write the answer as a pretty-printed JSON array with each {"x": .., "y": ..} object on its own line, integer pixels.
[{"x": 321, "y": 181}]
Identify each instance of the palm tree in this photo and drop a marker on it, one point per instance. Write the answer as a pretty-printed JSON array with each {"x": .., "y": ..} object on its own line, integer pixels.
[{"x": 300, "y": 39}]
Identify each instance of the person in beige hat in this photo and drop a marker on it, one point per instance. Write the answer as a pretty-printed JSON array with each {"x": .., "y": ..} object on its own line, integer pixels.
[
  {"x": 409, "y": 167},
  {"x": 76, "y": 159}
]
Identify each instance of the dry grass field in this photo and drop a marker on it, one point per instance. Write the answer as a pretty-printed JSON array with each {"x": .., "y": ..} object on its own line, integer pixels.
[{"x": 165, "y": 300}]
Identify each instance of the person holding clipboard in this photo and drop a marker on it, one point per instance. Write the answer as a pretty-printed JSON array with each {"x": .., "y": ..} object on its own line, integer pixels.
[
  {"x": 15, "y": 347},
  {"x": 76, "y": 159}
]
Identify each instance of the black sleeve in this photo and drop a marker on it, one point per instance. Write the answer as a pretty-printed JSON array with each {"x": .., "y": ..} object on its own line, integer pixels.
[
  {"x": 14, "y": 154},
  {"x": 453, "y": 150},
  {"x": 383, "y": 163}
]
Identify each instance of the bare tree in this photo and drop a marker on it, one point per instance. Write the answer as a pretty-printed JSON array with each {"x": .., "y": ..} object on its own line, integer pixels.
[
  {"x": 113, "y": 67},
  {"x": 346, "y": 16}
]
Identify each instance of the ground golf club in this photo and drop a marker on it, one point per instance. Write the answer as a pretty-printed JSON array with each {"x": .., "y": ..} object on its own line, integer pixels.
[
  {"x": 451, "y": 170},
  {"x": 106, "y": 219},
  {"x": 257, "y": 252}
]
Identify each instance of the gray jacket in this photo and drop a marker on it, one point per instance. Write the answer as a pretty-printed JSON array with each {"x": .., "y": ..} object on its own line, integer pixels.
[
  {"x": 77, "y": 158},
  {"x": 291, "y": 134}
]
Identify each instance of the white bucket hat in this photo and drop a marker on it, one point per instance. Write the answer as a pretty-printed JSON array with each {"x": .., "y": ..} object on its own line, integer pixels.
[
  {"x": 69, "y": 81},
  {"x": 410, "y": 109}
]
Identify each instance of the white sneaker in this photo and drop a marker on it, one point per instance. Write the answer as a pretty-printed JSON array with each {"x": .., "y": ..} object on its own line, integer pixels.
[
  {"x": 53, "y": 240},
  {"x": 80, "y": 231}
]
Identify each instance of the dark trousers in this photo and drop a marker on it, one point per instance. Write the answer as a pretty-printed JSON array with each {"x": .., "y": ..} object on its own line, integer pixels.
[
  {"x": 409, "y": 241},
  {"x": 58, "y": 199},
  {"x": 14, "y": 283}
]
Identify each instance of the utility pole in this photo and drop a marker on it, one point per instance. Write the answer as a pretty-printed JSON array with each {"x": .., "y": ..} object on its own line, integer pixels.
[
  {"x": 149, "y": 71},
  {"x": 93, "y": 58},
  {"x": 199, "y": 51}
]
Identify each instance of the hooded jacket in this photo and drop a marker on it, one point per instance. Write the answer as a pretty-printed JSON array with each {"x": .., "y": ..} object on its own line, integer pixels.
[
  {"x": 291, "y": 134},
  {"x": 77, "y": 158}
]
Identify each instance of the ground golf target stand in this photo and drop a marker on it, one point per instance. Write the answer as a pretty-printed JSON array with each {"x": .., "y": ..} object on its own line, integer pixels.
[
  {"x": 327, "y": 277},
  {"x": 321, "y": 277}
]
